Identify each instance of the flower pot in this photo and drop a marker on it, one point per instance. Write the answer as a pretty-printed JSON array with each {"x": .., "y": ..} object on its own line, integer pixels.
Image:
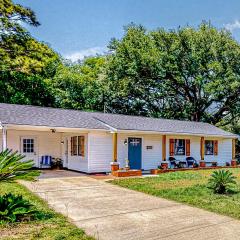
[
  {"x": 164, "y": 165},
  {"x": 202, "y": 164},
  {"x": 114, "y": 166},
  {"x": 234, "y": 163}
]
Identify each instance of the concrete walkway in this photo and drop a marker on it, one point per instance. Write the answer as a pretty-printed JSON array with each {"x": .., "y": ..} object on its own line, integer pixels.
[{"x": 110, "y": 213}]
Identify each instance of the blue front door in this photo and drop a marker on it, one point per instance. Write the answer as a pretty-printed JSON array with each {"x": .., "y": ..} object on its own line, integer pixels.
[{"x": 135, "y": 153}]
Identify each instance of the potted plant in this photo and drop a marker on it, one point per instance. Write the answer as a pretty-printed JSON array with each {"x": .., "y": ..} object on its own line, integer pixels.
[
  {"x": 57, "y": 163},
  {"x": 195, "y": 165},
  {"x": 164, "y": 165}
]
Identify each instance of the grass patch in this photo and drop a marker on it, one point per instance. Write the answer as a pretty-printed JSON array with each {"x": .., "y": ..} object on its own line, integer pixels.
[
  {"x": 188, "y": 187},
  {"x": 50, "y": 225}
]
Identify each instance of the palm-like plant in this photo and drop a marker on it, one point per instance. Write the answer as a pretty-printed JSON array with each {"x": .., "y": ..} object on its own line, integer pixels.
[
  {"x": 221, "y": 181},
  {"x": 14, "y": 208},
  {"x": 13, "y": 167}
]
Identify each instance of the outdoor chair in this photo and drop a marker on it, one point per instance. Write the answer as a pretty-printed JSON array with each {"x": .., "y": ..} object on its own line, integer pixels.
[
  {"x": 190, "y": 161},
  {"x": 46, "y": 161},
  {"x": 173, "y": 162}
]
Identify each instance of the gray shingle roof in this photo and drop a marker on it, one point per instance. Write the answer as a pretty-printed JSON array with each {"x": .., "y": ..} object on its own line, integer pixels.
[
  {"x": 43, "y": 116},
  {"x": 55, "y": 117},
  {"x": 124, "y": 122}
]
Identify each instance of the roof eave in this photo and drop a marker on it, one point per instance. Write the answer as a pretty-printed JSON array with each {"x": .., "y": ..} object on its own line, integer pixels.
[
  {"x": 175, "y": 133},
  {"x": 47, "y": 128}
]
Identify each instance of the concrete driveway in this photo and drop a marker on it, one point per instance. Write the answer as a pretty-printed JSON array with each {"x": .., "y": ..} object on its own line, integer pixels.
[{"x": 110, "y": 213}]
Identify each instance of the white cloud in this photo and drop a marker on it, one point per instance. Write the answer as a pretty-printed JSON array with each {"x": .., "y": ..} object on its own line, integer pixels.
[
  {"x": 80, "y": 55},
  {"x": 233, "y": 26}
]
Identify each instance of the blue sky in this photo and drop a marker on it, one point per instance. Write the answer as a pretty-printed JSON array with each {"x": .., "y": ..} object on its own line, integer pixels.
[{"x": 75, "y": 28}]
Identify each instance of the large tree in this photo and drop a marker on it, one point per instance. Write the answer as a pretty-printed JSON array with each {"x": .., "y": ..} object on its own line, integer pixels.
[
  {"x": 18, "y": 50},
  {"x": 186, "y": 73},
  {"x": 26, "y": 65},
  {"x": 81, "y": 85}
]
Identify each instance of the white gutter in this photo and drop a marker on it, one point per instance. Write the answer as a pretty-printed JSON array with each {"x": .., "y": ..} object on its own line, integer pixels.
[
  {"x": 176, "y": 133},
  {"x": 47, "y": 128},
  {"x": 111, "y": 129}
]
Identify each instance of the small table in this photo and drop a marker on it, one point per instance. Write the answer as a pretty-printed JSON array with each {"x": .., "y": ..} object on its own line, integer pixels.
[{"x": 182, "y": 164}]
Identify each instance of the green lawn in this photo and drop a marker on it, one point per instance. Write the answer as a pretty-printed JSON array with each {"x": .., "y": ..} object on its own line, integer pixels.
[
  {"x": 188, "y": 187},
  {"x": 50, "y": 226}
]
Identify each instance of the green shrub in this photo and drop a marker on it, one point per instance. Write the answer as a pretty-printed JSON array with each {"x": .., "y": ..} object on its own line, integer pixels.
[
  {"x": 221, "y": 181},
  {"x": 15, "y": 208},
  {"x": 13, "y": 167}
]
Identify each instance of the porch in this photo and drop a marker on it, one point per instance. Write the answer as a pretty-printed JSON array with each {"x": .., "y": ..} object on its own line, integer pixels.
[
  {"x": 48, "y": 147},
  {"x": 166, "y": 153},
  {"x": 94, "y": 151}
]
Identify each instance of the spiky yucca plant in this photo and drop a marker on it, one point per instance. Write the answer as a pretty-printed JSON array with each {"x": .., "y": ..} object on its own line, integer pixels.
[
  {"x": 221, "y": 181},
  {"x": 15, "y": 208},
  {"x": 13, "y": 167}
]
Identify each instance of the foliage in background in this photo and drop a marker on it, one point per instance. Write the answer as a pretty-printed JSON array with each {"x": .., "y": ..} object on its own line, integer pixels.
[
  {"x": 15, "y": 209},
  {"x": 183, "y": 74},
  {"x": 221, "y": 181},
  {"x": 188, "y": 73},
  {"x": 26, "y": 65},
  {"x": 18, "y": 50},
  {"x": 13, "y": 167},
  {"x": 81, "y": 86}
]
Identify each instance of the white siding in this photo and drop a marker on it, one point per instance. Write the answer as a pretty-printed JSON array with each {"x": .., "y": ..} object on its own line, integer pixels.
[
  {"x": 151, "y": 158},
  {"x": 47, "y": 143},
  {"x": 224, "y": 149},
  {"x": 194, "y": 147},
  {"x": 77, "y": 163},
  {"x": 99, "y": 149},
  {"x": 224, "y": 152},
  {"x": 100, "y": 152}
]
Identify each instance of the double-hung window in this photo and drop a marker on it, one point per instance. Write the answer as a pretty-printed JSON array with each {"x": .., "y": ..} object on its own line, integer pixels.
[{"x": 77, "y": 146}]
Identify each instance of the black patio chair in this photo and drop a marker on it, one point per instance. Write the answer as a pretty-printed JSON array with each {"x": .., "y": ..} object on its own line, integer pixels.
[
  {"x": 173, "y": 162},
  {"x": 190, "y": 161}
]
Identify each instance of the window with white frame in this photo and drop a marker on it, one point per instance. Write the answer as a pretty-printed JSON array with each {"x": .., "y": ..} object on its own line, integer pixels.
[{"x": 28, "y": 145}]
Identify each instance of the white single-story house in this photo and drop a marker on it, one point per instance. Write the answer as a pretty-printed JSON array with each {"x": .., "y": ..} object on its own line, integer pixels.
[{"x": 89, "y": 141}]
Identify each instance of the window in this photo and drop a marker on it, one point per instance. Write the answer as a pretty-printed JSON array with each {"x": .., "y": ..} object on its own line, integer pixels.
[
  {"x": 209, "y": 147},
  {"x": 28, "y": 145},
  {"x": 77, "y": 146},
  {"x": 81, "y": 146},
  {"x": 135, "y": 142},
  {"x": 179, "y": 146},
  {"x": 74, "y": 146}
]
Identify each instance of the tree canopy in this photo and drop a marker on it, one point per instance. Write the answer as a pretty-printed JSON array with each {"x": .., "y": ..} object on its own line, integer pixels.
[
  {"x": 82, "y": 85},
  {"x": 26, "y": 65},
  {"x": 18, "y": 50},
  {"x": 188, "y": 73}
]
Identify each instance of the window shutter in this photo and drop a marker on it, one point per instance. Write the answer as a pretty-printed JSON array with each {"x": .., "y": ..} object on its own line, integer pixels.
[
  {"x": 188, "y": 147},
  {"x": 215, "y": 147},
  {"x": 171, "y": 147}
]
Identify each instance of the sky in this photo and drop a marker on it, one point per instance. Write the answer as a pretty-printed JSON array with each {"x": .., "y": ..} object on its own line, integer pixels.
[{"x": 78, "y": 28}]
